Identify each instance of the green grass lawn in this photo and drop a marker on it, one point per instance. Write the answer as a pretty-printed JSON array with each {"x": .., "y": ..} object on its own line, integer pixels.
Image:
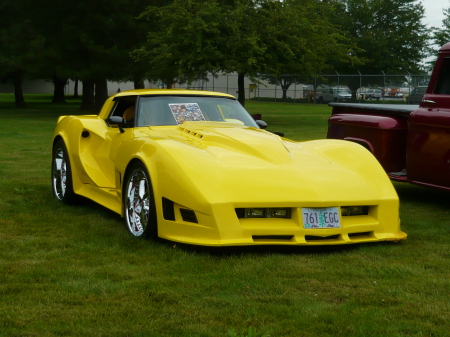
[{"x": 75, "y": 271}]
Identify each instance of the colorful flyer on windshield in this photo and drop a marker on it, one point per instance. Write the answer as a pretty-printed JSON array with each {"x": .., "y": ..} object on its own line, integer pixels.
[{"x": 184, "y": 112}]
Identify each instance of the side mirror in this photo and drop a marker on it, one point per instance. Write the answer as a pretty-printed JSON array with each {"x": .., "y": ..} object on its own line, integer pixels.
[
  {"x": 116, "y": 120},
  {"x": 261, "y": 124}
]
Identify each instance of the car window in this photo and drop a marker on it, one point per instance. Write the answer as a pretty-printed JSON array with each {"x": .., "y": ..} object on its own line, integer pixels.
[
  {"x": 443, "y": 83},
  {"x": 125, "y": 107},
  {"x": 122, "y": 104},
  {"x": 173, "y": 110}
]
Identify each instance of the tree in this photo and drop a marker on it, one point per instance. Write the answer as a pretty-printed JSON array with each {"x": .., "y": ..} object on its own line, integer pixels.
[
  {"x": 180, "y": 43},
  {"x": 21, "y": 47},
  {"x": 302, "y": 41},
  {"x": 390, "y": 34},
  {"x": 190, "y": 38},
  {"x": 441, "y": 35},
  {"x": 91, "y": 41}
]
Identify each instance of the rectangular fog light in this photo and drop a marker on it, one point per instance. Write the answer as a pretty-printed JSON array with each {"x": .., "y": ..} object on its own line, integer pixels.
[
  {"x": 254, "y": 213},
  {"x": 354, "y": 210},
  {"x": 284, "y": 213},
  {"x": 280, "y": 213}
]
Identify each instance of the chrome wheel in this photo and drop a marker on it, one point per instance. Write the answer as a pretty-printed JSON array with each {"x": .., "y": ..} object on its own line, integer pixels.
[
  {"x": 62, "y": 174},
  {"x": 59, "y": 174},
  {"x": 140, "y": 213}
]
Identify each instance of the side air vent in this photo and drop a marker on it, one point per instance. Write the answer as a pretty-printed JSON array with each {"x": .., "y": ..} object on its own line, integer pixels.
[
  {"x": 168, "y": 209},
  {"x": 188, "y": 215}
]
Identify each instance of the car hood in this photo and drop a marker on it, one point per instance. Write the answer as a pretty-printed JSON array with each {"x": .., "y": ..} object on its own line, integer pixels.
[
  {"x": 233, "y": 143},
  {"x": 230, "y": 142},
  {"x": 227, "y": 161}
]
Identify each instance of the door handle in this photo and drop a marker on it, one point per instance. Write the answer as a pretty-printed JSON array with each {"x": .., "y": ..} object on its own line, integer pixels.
[{"x": 427, "y": 101}]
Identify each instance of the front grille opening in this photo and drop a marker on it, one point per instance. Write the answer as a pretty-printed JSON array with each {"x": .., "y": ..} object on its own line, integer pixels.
[
  {"x": 359, "y": 235},
  {"x": 321, "y": 238},
  {"x": 188, "y": 215},
  {"x": 272, "y": 237},
  {"x": 168, "y": 209}
]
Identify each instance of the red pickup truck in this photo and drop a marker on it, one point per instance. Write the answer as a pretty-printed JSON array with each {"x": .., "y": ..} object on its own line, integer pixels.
[{"x": 411, "y": 142}]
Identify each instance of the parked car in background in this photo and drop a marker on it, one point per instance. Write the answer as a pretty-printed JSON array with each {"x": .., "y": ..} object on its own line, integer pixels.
[
  {"x": 416, "y": 95},
  {"x": 394, "y": 93},
  {"x": 325, "y": 94},
  {"x": 372, "y": 94}
]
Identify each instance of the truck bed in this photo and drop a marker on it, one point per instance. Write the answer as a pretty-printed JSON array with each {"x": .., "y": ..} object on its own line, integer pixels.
[{"x": 396, "y": 110}]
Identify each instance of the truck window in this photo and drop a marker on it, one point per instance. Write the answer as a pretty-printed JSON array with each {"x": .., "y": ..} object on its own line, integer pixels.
[{"x": 443, "y": 82}]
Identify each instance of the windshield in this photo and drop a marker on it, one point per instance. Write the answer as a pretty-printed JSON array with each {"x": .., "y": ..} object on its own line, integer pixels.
[{"x": 173, "y": 110}]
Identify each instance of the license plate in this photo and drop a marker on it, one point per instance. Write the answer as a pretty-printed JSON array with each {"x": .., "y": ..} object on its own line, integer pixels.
[{"x": 328, "y": 217}]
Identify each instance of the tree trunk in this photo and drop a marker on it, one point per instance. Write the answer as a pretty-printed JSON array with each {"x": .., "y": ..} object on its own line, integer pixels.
[
  {"x": 285, "y": 85},
  {"x": 241, "y": 88},
  {"x": 101, "y": 92},
  {"x": 75, "y": 89},
  {"x": 58, "y": 93},
  {"x": 87, "y": 100},
  {"x": 18, "y": 94},
  {"x": 139, "y": 83}
]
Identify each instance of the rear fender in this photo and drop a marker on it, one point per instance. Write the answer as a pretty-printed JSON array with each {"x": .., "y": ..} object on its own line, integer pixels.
[
  {"x": 363, "y": 142},
  {"x": 384, "y": 136}
]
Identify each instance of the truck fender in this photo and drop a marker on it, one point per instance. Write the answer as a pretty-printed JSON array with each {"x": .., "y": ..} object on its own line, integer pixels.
[{"x": 363, "y": 142}]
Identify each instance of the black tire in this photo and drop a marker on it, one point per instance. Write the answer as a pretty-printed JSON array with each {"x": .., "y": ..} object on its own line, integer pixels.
[
  {"x": 139, "y": 203},
  {"x": 321, "y": 100},
  {"x": 62, "y": 184}
]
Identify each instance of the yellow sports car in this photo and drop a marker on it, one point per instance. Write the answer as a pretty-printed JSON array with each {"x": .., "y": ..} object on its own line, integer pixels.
[{"x": 195, "y": 167}]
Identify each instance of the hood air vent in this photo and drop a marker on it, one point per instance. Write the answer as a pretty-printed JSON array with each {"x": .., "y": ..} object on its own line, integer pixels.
[{"x": 190, "y": 132}]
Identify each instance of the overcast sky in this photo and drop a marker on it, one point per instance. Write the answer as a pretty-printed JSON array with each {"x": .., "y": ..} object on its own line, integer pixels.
[{"x": 433, "y": 11}]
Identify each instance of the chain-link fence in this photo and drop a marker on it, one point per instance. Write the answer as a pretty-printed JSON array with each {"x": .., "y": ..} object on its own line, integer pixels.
[{"x": 321, "y": 88}]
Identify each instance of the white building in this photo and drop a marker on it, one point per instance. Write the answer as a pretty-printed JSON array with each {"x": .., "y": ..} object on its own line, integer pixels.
[{"x": 227, "y": 83}]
